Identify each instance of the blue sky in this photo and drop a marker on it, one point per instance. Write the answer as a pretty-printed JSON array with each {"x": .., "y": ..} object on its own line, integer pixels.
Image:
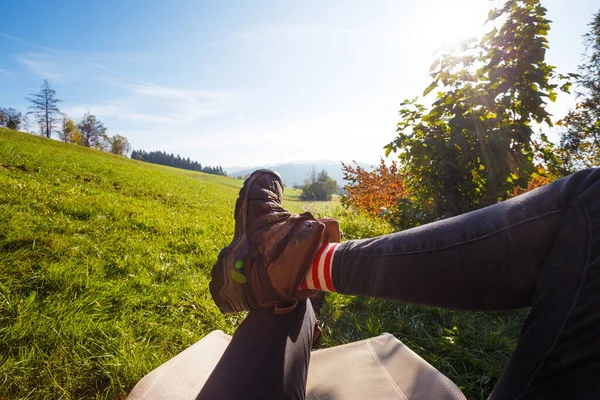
[{"x": 249, "y": 82}]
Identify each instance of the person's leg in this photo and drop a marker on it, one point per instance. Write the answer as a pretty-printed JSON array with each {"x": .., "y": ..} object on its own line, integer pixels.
[
  {"x": 558, "y": 353},
  {"x": 541, "y": 249},
  {"x": 488, "y": 259},
  {"x": 267, "y": 358},
  {"x": 536, "y": 249}
]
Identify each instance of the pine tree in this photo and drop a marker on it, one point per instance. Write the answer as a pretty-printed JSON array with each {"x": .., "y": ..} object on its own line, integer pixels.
[
  {"x": 44, "y": 107},
  {"x": 172, "y": 160}
]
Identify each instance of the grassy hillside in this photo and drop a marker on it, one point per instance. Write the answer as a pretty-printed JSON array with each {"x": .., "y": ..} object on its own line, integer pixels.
[
  {"x": 102, "y": 257},
  {"x": 104, "y": 271}
]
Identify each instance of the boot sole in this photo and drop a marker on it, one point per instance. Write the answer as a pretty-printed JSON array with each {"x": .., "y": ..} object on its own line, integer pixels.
[{"x": 222, "y": 283}]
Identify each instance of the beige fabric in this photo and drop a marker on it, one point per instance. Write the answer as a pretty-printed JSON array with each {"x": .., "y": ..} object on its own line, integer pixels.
[
  {"x": 182, "y": 377},
  {"x": 377, "y": 368}
]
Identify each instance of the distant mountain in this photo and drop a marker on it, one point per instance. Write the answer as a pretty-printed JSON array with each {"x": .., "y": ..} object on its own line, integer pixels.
[
  {"x": 231, "y": 171},
  {"x": 296, "y": 172}
]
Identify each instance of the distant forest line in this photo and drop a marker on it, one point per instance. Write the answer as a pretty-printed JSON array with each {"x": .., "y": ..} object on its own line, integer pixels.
[{"x": 172, "y": 160}]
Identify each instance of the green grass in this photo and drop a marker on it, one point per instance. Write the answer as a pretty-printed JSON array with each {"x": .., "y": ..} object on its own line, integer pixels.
[{"x": 104, "y": 271}]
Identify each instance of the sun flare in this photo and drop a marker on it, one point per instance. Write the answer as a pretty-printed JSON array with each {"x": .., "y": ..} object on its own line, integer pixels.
[{"x": 450, "y": 22}]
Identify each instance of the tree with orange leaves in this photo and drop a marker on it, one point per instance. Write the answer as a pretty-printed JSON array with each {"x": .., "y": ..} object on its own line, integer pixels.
[
  {"x": 535, "y": 182},
  {"x": 373, "y": 192}
]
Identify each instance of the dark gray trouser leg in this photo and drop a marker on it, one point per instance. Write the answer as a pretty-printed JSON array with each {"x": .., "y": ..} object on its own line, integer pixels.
[
  {"x": 267, "y": 358},
  {"x": 541, "y": 249}
]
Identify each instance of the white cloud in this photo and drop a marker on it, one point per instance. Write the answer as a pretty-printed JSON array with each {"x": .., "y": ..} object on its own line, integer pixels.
[
  {"x": 45, "y": 66},
  {"x": 179, "y": 106},
  {"x": 134, "y": 100},
  {"x": 5, "y": 72},
  {"x": 108, "y": 110},
  {"x": 171, "y": 93},
  {"x": 154, "y": 104}
]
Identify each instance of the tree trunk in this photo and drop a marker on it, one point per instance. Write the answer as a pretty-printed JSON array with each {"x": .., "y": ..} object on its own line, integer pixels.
[{"x": 47, "y": 121}]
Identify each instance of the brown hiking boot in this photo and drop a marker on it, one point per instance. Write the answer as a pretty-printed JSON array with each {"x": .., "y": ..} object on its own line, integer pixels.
[{"x": 271, "y": 250}]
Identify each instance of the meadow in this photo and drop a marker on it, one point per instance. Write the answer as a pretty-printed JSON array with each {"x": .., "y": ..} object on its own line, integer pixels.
[{"x": 104, "y": 271}]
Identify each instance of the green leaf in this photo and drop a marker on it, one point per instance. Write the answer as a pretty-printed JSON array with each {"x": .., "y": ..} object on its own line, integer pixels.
[
  {"x": 566, "y": 87},
  {"x": 488, "y": 36},
  {"x": 493, "y": 14},
  {"x": 429, "y": 88}
]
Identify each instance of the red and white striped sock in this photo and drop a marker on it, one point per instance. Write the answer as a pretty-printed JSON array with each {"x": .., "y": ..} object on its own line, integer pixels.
[{"x": 319, "y": 274}]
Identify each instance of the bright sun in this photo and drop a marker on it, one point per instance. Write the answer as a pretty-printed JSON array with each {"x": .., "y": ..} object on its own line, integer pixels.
[{"x": 453, "y": 21}]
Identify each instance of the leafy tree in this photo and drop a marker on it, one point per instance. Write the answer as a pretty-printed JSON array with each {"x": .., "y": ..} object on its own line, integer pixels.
[
  {"x": 10, "y": 118},
  {"x": 119, "y": 145},
  {"x": 373, "y": 192},
  {"x": 93, "y": 132},
  {"x": 473, "y": 146},
  {"x": 44, "y": 107},
  {"x": 580, "y": 136},
  {"x": 319, "y": 187},
  {"x": 70, "y": 132}
]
